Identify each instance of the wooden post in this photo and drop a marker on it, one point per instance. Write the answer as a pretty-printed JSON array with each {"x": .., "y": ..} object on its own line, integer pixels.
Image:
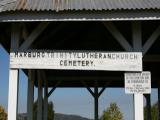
[
  {"x": 148, "y": 101},
  {"x": 96, "y": 103},
  {"x": 158, "y": 100},
  {"x": 30, "y": 100},
  {"x": 137, "y": 47},
  {"x": 96, "y": 94},
  {"x": 13, "y": 76},
  {"x": 39, "y": 113},
  {"x": 45, "y": 98}
]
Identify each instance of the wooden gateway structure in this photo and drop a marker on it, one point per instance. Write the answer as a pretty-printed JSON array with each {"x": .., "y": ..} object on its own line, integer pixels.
[{"x": 76, "y": 27}]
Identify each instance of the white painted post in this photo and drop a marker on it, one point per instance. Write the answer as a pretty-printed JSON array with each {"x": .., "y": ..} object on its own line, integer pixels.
[
  {"x": 45, "y": 101},
  {"x": 13, "y": 76},
  {"x": 138, "y": 107},
  {"x": 30, "y": 100},
  {"x": 13, "y": 94},
  {"x": 39, "y": 113}
]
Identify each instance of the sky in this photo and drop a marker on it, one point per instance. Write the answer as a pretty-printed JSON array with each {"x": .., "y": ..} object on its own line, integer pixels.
[{"x": 77, "y": 101}]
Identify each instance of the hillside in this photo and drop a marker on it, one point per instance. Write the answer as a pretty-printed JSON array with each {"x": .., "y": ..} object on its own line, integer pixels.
[{"x": 58, "y": 116}]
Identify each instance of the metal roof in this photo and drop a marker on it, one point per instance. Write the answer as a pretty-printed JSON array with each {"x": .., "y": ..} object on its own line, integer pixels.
[{"x": 61, "y": 5}]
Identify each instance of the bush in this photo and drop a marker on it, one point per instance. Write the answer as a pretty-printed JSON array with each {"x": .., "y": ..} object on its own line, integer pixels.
[{"x": 3, "y": 114}]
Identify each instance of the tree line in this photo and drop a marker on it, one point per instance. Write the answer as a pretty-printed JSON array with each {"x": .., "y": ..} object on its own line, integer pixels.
[{"x": 113, "y": 112}]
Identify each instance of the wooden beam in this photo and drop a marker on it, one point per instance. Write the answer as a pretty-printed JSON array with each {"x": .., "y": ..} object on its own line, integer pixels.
[
  {"x": 91, "y": 78},
  {"x": 15, "y": 36},
  {"x": 151, "y": 58},
  {"x": 151, "y": 40},
  {"x": 89, "y": 89},
  {"x": 25, "y": 32},
  {"x": 52, "y": 34},
  {"x": 34, "y": 35},
  {"x": 103, "y": 89},
  {"x": 118, "y": 36},
  {"x": 137, "y": 36},
  {"x": 53, "y": 89}
]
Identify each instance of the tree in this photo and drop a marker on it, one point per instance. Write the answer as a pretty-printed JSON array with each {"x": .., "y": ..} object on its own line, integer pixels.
[
  {"x": 50, "y": 110},
  {"x": 154, "y": 112},
  {"x": 3, "y": 114},
  {"x": 112, "y": 113}
]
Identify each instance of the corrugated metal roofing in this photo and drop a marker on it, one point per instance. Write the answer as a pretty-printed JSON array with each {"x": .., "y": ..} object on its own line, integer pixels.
[{"x": 60, "y": 5}]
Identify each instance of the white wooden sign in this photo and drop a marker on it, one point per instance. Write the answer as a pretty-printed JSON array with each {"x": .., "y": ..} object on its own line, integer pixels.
[
  {"x": 138, "y": 83},
  {"x": 77, "y": 60}
]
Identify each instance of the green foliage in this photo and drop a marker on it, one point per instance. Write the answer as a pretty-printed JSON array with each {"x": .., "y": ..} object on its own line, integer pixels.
[
  {"x": 154, "y": 112},
  {"x": 3, "y": 114},
  {"x": 50, "y": 110},
  {"x": 112, "y": 113}
]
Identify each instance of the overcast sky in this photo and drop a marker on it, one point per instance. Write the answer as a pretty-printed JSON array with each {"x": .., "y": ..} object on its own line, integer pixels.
[{"x": 68, "y": 100}]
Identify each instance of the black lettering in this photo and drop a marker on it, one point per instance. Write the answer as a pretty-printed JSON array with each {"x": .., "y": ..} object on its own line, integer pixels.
[
  {"x": 123, "y": 56},
  {"x": 74, "y": 55},
  {"x": 83, "y": 63},
  {"x": 117, "y": 56},
  {"x": 74, "y": 63},
  {"x": 91, "y": 63},
  {"x": 104, "y": 56},
  {"x": 61, "y": 63},
  {"x": 43, "y": 54},
  {"x": 135, "y": 56},
  {"x": 87, "y": 55},
  {"x": 70, "y": 63},
  {"x": 65, "y": 63},
  {"x": 70, "y": 54},
  {"x": 109, "y": 56},
  {"x": 83, "y": 55},
  {"x": 29, "y": 54},
  {"x": 87, "y": 63},
  {"x": 61, "y": 55},
  {"x": 92, "y": 55},
  {"x": 126, "y": 56},
  {"x": 25, "y": 54},
  {"x": 96, "y": 55},
  {"x": 52, "y": 54},
  {"x": 20, "y": 55},
  {"x": 79, "y": 62},
  {"x": 48, "y": 53},
  {"x": 16, "y": 54},
  {"x": 78, "y": 56},
  {"x": 34, "y": 54},
  {"x": 100, "y": 55},
  {"x": 38, "y": 54}
]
